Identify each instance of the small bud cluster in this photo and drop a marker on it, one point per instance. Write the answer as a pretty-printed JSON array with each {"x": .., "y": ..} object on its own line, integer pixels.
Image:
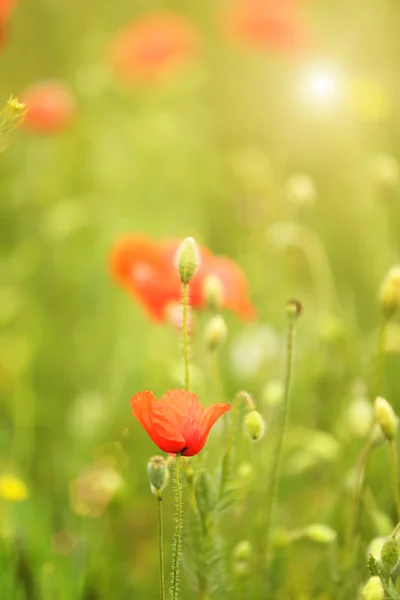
[{"x": 241, "y": 556}]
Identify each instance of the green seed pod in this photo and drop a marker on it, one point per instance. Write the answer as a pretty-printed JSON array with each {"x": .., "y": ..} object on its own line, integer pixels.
[
  {"x": 389, "y": 555},
  {"x": 213, "y": 292},
  {"x": 320, "y": 533},
  {"x": 389, "y": 295},
  {"x": 386, "y": 418},
  {"x": 254, "y": 425},
  {"x": 187, "y": 259},
  {"x": 242, "y": 551},
  {"x": 294, "y": 309},
  {"x": 373, "y": 589},
  {"x": 215, "y": 333},
  {"x": 158, "y": 473}
]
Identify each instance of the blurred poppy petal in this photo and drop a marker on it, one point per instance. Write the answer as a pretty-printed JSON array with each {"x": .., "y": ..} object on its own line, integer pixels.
[{"x": 210, "y": 416}]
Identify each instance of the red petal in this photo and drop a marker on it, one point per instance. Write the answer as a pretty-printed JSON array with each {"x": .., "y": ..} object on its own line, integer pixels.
[
  {"x": 210, "y": 416},
  {"x": 158, "y": 423}
]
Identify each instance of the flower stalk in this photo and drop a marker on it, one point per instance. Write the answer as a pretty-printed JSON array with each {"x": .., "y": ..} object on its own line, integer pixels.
[
  {"x": 160, "y": 544},
  {"x": 395, "y": 476},
  {"x": 185, "y": 334},
  {"x": 176, "y": 550}
]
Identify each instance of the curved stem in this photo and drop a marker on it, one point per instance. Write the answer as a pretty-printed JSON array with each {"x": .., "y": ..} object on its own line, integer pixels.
[
  {"x": 395, "y": 475},
  {"x": 176, "y": 554},
  {"x": 358, "y": 487},
  {"x": 185, "y": 331},
  {"x": 160, "y": 545},
  {"x": 279, "y": 443}
]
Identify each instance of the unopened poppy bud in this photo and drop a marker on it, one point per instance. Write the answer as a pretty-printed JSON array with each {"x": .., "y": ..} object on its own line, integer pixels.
[
  {"x": 213, "y": 292},
  {"x": 320, "y": 533},
  {"x": 294, "y": 308},
  {"x": 389, "y": 555},
  {"x": 254, "y": 425},
  {"x": 373, "y": 589},
  {"x": 242, "y": 551},
  {"x": 158, "y": 473},
  {"x": 386, "y": 418},
  {"x": 389, "y": 295},
  {"x": 215, "y": 333},
  {"x": 187, "y": 259}
]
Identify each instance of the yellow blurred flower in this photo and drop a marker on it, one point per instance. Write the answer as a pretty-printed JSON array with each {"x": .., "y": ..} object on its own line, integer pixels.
[
  {"x": 12, "y": 488},
  {"x": 367, "y": 99}
]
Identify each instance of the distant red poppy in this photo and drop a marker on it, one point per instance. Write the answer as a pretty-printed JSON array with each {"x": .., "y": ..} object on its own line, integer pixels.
[
  {"x": 6, "y": 8},
  {"x": 152, "y": 47},
  {"x": 177, "y": 423},
  {"x": 266, "y": 24},
  {"x": 51, "y": 107},
  {"x": 147, "y": 270}
]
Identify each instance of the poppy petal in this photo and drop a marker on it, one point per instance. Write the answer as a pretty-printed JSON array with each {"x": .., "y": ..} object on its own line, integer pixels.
[{"x": 210, "y": 416}]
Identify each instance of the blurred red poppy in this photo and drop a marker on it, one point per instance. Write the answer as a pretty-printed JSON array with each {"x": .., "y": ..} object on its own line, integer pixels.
[
  {"x": 51, "y": 107},
  {"x": 152, "y": 47},
  {"x": 266, "y": 24},
  {"x": 147, "y": 270},
  {"x": 6, "y": 8},
  {"x": 177, "y": 423}
]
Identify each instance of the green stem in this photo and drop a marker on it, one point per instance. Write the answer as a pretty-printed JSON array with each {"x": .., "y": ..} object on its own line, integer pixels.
[
  {"x": 226, "y": 465},
  {"x": 185, "y": 331},
  {"x": 160, "y": 545},
  {"x": 395, "y": 475},
  {"x": 279, "y": 443},
  {"x": 380, "y": 359},
  {"x": 176, "y": 554}
]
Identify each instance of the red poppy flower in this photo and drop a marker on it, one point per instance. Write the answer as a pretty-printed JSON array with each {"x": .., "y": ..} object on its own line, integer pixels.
[
  {"x": 266, "y": 24},
  {"x": 6, "y": 8},
  {"x": 51, "y": 107},
  {"x": 147, "y": 270},
  {"x": 177, "y": 423},
  {"x": 152, "y": 47}
]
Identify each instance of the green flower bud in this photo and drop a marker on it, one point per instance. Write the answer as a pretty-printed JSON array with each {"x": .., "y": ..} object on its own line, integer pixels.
[
  {"x": 386, "y": 418},
  {"x": 254, "y": 425},
  {"x": 158, "y": 473},
  {"x": 187, "y": 259},
  {"x": 215, "y": 333},
  {"x": 321, "y": 534},
  {"x": 375, "y": 547},
  {"x": 213, "y": 292},
  {"x": 242, "y": 551},
  {"x": 389, "y": 555},
  {"x": 389, "y": 295},
  {"x": 294, "y": 308},
  {"x": 373, "y": 589}
]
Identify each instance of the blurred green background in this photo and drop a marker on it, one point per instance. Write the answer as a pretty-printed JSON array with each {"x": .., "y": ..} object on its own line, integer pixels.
[{"x": 286, "y": 162}]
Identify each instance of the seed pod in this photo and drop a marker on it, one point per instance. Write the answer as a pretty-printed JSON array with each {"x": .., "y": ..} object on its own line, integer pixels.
[{"x": 158, "y": 473}]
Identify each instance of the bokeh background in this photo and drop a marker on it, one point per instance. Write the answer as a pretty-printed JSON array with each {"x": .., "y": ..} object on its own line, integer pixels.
[{"x": 273, "y": 138}]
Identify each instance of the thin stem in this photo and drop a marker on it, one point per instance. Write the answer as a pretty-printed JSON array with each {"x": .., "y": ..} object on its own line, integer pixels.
[
  {"x": 380, "y": 359},
  {"x": 226, "y": 464},
  {"x": 160, "y": 545},
  {"x": 358, "y": 487},
  {"x": 185, "y": 331},
  {"x": 176, "y": 555},
  {"x": 395, "y": 475},
  {"x": 279, "y": 442}
]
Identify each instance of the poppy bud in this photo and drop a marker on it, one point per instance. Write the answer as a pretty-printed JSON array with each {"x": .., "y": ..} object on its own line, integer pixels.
[
  {"x": 213, "y": 292},
  {"x": 373, "y": 589},
  {"x": 386, "y": 418},
  {"x": 158, "y": 474},
  {"x": 215, "y": 333},
  {"x": 187, "y": 259},
  {"x": 294, "y": 308},
  {"x": 389, "y": 555},
  {"x": 242, "y": 551},
  {"x": 389, "y": 295},
  {"x": 375, "y": 547},
  {"x": 254, "y": 425},
  {"x": 320, "y": 533}
]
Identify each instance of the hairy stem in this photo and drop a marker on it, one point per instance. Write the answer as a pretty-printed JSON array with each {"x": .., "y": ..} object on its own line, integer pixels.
[
  {"x": 395, "y": 476},
  {"x": 276, "y": 459},
  {"x": 176, "y": 552},
  {"x": 185, "y": 332},
  {"x": 160, "y": 545}
]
